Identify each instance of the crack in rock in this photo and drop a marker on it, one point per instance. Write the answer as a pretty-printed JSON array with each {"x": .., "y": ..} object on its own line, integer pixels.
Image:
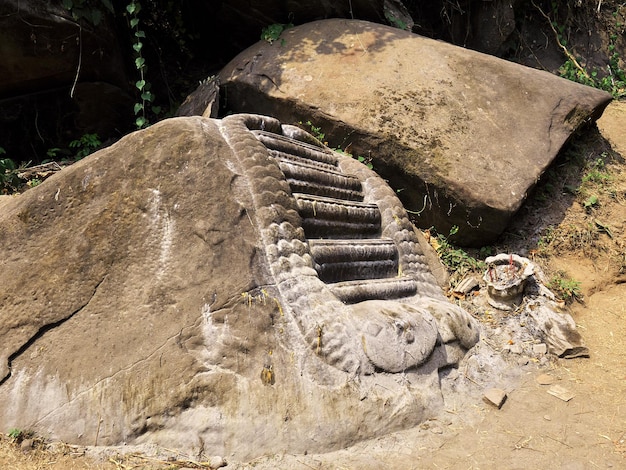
[{"x": 43, "y": 330}]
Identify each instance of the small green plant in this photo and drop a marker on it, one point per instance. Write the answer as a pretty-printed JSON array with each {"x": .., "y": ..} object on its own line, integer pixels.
[
  {"x": 18, "y": 435},
  {"x": 85, "y": 145},
  {"x": 596, "y": 172},
  {"x": 613, "y": 81},
  {"x": 53, "y": 152},
  {"x": 272, "y": 32},
  {"x": 456, "y": 259},
  {"x": 590, "y": 202},
  {"x": 565, "y": 287},
  {"x": 10, "y": 180},
  {"x": 396, "y": 22},
  {"x": 315, "y": 131},
  {"x": 366, "y": 161}
]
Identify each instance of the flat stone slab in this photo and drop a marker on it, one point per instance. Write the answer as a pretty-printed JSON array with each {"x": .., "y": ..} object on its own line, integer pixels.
[
  {"x": 463, "y": 135},
  {"x": 495, "y": 397}
]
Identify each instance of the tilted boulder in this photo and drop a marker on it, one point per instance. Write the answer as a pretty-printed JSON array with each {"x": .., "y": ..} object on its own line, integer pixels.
[
  {"x": 227, "y": 285},
  {"x": 464, "y": 136}
]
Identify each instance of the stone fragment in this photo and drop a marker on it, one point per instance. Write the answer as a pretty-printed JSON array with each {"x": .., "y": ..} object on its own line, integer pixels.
[
  {"x": 217, "y": 461},
  {"x": 26, "y": 445},
  {"x": 561, "y": 393},
  {"x": 557, "y": 330},
  {"x": 465, "y": 135},
  {"x": 540, "y": 349},
  {"x": 468, "y": 283},
  {"x": 495, "y": 397},
  {"x": 544, "y": 379}
]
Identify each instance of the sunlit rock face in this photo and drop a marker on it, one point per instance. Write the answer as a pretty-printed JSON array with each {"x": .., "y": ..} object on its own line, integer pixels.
[
  {"x": 228, "y": 284},
  {"x": 462, "y": 135}
]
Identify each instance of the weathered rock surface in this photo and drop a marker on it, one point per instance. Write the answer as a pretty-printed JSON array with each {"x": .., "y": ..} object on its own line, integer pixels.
[
  {"x": 465, "y": 136},
  {"x": 172, "y": 289}
]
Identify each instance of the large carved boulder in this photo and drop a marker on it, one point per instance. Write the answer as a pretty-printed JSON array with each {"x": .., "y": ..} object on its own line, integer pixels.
[
  {"x": 231, "y": 286},
  {"x": 463, "y": 135}
]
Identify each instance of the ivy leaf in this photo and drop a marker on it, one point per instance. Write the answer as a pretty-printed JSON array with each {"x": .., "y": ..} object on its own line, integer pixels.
[
  {"x": 134, "y": 22},
  {"x": 140, "y": 84},
  {"x": 139, "y": 62},
  {"x": 140, "y": 122},
  {"x": 156, "y": 109},
  {"x": 147, "y": 96},
  {"x": 137, "y": 46},
  {"x": 140, "y": 34},
  {"x": 138, "y": 107},
  {"x": 130, "y": 8}
]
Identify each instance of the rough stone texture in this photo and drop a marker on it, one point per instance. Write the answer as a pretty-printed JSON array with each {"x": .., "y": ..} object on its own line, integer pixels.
[
  {"x": 465, "y": 135},
  {"x": 162, "y": 290}
]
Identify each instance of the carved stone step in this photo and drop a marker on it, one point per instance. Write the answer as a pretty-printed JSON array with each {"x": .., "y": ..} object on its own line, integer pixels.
[
  {"x": 325, "y": 251},
  {"x": 357, "y": 270},
  {"x": 295, "y": 147},
  {"x": 306, "y": 176},
  {"x": 325, "y": 217},
  {"x": 358, "y": 291},
  {"x": 345, "y": 260}
]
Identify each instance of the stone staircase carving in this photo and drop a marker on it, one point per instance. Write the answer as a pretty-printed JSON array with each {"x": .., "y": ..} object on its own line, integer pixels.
[{"x": 344, "y": 255}]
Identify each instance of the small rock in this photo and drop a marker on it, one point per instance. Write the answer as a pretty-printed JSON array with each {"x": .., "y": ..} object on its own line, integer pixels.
[
  {"x": 27, "y": 445},
  {"x": 515, "y": 348},
  {"x": 561, "y": 392},
  {"x": 217, "y": 462},
  {"x": 522, "y": 361},
  {"x": 545, "y": 379},
  {"x": 495, "y": 396},
  {"x": 547, "y": 417},
  {"x": 436, "y": 430},
  {"x": 540, "y": 349},
  {"x": 466, "y": 285}
]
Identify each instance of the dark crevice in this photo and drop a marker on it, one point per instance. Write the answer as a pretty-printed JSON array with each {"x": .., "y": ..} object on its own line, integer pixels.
[{"x": 43, "y": 330}]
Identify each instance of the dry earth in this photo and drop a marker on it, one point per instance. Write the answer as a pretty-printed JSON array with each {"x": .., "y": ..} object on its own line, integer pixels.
[{"x": 533, "y": 429}]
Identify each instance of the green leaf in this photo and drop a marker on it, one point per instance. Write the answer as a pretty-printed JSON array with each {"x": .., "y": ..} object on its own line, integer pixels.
[
  {"x": 68, "y": 4},
  {"x": 147, "y": 96},
  {"x": 156, "y": 109},
  {"x": 140, "y": 122},
  {"x": 137, "y": 46},
  {"x": 590, "y": 202},
  {"x": 140, "y": 84},
  {"x": 138, "y": 107},
  {"x": 139, "y": 62},
  {"x": 131, "y": 8},
  {"x": 134, "y": 22},
  {"x": 140, "y": 34}
]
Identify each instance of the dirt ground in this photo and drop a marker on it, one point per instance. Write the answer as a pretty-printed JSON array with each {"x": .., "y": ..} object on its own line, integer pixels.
[{"x": 533, "y": 429}]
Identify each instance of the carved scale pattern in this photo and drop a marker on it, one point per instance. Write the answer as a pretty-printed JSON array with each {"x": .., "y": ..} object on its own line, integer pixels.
[{"x": 334, "y": 234}]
